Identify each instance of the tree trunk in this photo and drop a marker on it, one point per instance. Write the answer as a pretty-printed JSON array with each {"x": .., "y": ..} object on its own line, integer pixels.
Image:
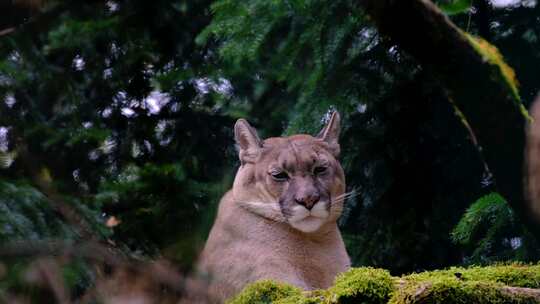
[{"x": 533, "y": 159}]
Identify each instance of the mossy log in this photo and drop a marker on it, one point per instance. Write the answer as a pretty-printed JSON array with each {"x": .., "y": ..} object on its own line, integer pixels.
[
  {"x": 480, "y": 85},
  {"x": 516, "y": 283}
]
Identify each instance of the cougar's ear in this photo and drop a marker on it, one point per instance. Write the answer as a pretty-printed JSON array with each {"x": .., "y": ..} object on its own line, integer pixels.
[
  {"x": 248, "y": 141},
  {"x": 330, "y": 133}
]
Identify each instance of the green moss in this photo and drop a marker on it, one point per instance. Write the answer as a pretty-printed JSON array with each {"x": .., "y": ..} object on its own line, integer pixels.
[
  {"x": 517, "y": 275},
  {"x": 358, "y": 285},
  {"x": 301, "y": 299},
  {"x": 374, "y": 286},
  {"x": 453, "y": 290},
  {"x": 469, "y": 285},
  {"x": 265, "y": 292},
  {"x": 362, "y": 285}
]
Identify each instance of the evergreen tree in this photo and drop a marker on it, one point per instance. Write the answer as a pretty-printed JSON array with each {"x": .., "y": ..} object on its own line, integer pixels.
[{"x": 116, "y": 125}]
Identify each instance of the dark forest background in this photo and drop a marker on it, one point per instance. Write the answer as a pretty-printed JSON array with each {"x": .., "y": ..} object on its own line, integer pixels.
[{"x": 116, "y": 126}]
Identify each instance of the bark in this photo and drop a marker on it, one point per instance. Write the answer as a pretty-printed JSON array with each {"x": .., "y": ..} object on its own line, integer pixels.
[
  {"x": 529, "y": 293},
  {"x": 477, "y": 87}
]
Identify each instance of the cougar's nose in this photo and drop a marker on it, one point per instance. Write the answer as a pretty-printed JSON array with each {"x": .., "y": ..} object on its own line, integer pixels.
[{"x": 308, "y": 200}]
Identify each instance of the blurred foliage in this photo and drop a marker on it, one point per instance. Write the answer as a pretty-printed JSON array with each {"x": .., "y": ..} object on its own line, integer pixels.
[
  {"x": 130, "y": 106},
  {"x": 109, "y": 100},
  {"x": 113, "y": 98},
  {"x": 26, "y": 215}
]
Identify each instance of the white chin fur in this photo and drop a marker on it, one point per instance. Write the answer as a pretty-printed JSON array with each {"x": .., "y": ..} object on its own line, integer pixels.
[
  {"x": 309, "y": 221},
  {"x": 309, "y": 224}
]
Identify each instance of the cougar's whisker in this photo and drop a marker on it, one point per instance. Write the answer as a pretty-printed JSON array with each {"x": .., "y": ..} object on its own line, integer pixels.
[{"x": 345, "y": 196}]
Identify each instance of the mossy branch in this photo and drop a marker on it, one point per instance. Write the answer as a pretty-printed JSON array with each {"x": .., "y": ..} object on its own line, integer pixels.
[
  {"x": 428, "y": 293},
  {"x": 480, "y": 84}
]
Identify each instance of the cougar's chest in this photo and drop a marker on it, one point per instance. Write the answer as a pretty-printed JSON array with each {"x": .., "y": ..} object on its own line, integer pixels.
[{"x": 317, "y": 264}]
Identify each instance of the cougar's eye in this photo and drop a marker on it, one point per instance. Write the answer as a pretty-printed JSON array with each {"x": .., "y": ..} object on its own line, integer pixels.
[
  {"x": 319, "y": 170},
  {"x": 279, "y": 176}
]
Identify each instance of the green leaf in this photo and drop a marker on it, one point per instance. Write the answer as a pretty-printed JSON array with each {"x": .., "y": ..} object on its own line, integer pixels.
[{"x": 454, "y": 7}]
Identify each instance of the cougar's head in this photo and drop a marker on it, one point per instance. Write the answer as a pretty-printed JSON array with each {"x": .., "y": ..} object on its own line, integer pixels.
[{"x": 294, "y": 179}]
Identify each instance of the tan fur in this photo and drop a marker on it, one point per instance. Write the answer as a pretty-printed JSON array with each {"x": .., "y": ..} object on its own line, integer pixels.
[{"x": 253, "y": 238}]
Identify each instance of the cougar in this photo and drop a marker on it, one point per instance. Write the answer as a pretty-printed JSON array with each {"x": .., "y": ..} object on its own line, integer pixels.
[{"x": 278, "y": 221}]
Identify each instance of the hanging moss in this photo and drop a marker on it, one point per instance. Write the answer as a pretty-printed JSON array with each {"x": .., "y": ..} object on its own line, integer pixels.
[
  {"x": 490, "y": 285},
  {"x": 491, "y": 54}
]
